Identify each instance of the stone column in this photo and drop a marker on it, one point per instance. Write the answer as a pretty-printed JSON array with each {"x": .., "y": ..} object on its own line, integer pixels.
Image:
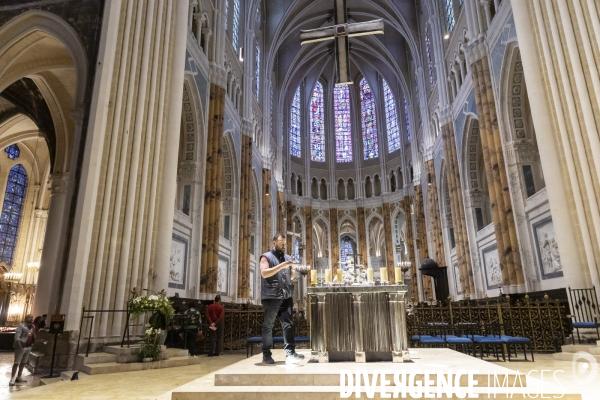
[
  {"x": 463, "y": 253},
  {"x": 46, "y": 294},
  {"x": 308, "y": 241},
  {"x": 335, "y": 240},
  {"x": 389, "y": 242},
  {"x": 267, "y": 234},
  {"x": 504, "y": 224},
  {"x": 433, "y": 206},
  {"x": 213, "y": 184},
  {"x": 419, "y": 210},
  {"x": 410, "y": 243},
  {"x": 281, "y": 215},
  {"x": 245, "y": 222},
  {"x": 362, "y": 236},
  {"x": 557, "y": 112},
  {"x": 168, "y": 176},
  {"x": 289, "y": 228}
]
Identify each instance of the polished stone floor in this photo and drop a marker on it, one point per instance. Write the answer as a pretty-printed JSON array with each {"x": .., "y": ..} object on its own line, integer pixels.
[{"x": 159, "y": 384}]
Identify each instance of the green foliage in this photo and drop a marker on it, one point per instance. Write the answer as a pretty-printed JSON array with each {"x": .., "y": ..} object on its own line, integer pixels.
[{"x": 150, "y": 347}]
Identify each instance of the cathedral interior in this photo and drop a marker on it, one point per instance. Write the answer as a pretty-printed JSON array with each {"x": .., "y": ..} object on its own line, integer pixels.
[{"x": 160, "y": 145}]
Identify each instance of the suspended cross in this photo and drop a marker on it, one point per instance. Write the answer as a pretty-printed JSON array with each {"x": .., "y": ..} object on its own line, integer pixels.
[{"x": 340, "y": 33}]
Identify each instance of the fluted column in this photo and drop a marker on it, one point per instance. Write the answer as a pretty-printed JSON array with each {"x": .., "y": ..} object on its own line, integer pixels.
[
  {"x": 245, "y": 219},
  {"x": 458, "y": 211},
  {"x": 389, "y": 242},
  {"x": 433, "y": 206},
  {"x": 362, "y": 236},
  {"x": 46, "y": 294},
  {"x": 308, "y": 241},
  {"x": 410, "y": 243},
  {"x": 422, "y": 240},
  {"x": 281, "y": 215},
  {"x": 335, "y": 239},
  {"x": 502, "y": 212},
  {"x": 267, "y": 234}
]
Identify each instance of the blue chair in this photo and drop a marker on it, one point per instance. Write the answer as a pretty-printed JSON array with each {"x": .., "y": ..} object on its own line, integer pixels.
[
  {"x": 516, "y": 341},
  {"x": 585, "y": 310},
  {"x": 456, "y": 341},
  {"x": 488, "y": 341}
]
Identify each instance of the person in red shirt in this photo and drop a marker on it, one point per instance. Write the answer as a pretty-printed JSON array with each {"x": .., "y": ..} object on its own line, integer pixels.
[{"x": 215, "y": 314}]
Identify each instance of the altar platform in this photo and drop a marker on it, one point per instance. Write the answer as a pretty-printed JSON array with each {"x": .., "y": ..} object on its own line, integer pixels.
[{"x": 250, "y": 379}]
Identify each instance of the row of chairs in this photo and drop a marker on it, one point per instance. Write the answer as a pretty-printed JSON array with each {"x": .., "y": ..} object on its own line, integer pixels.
[{"x": 470, "y": 337}]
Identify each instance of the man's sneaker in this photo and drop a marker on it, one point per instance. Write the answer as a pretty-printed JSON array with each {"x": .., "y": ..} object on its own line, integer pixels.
[
  {"x": 20, "y": 380},
  {"x": 293, "y": 358},
  {"x": 11, "y": 382},
  {"x": 268, "y": 360}
]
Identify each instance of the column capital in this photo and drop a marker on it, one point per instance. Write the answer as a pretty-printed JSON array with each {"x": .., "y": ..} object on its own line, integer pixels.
[
  {"x": 445, "y": 116},
  {"x": 476, "y": 50},
  {"x": 190, "y": 171},
  {"x": 247, "y": 127},
  {"x": 218, "y": 75},
  {"x": 428, "y": 153},
  {"x": 58, "y": 183}
]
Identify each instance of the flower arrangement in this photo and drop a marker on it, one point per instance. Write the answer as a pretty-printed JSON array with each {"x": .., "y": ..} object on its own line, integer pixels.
[
  {"x": 150, "y": 347},
  {"x": 158, "y": 304}
]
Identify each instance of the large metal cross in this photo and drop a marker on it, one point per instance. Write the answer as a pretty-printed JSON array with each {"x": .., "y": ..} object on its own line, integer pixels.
[{"x": 340, "y": 33}]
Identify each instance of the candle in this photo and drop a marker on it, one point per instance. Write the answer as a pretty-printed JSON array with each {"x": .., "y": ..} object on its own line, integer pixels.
[
  {"x": 398, "y": 273},
  {"x": 313, "y": 277},
  {"x": 340, "y": 275},
  {"x": 370, "y": 274},
  {"x": 383, "y": 273},
  {"x": 327, "y": 276}
]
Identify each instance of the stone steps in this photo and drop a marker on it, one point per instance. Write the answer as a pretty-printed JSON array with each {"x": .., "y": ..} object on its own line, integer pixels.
[
  {"x": 114, "y": 367},
  {"x": 569, "y": 350}
]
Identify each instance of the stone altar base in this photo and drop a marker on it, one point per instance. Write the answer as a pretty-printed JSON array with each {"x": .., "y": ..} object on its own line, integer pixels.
[{"x": 250, "y": 379}]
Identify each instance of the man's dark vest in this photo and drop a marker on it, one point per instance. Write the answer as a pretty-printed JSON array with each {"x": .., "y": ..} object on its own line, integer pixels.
[{"x": 278, "y": 286}]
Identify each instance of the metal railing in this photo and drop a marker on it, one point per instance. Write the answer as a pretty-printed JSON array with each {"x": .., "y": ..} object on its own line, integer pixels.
[{"x": 91, "y": 327}]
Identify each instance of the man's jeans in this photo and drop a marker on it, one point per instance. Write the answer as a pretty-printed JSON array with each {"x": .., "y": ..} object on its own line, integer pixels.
[{"x": 274, "y": 308}]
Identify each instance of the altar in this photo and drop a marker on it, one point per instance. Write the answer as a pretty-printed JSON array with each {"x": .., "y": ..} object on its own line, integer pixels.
[{"x": 358, "y": 323}]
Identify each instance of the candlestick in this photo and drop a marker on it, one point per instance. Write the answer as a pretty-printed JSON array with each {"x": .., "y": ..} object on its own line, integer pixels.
[
  {"x": 398, "y": 275},
  {"x": 327, "y": 276},
  {"x": 340, "y": 275},
  {"x": 370, "y": 274},
  {"x": 313, "y": 277},
  {"x": 384, "y": 275}
]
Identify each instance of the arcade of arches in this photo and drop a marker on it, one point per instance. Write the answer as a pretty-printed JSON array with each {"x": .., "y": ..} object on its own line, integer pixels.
[{"x": 161, "y": 144}]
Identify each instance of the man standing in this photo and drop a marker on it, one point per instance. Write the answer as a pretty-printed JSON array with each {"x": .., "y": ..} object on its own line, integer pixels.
[
  {"x": 24, "y": 339},
  {"x": 215, "y": 314},
  {"x": 276, "y": 293}
]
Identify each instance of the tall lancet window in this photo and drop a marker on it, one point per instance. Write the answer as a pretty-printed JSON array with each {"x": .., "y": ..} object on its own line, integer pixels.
[
  {"x": 343, "y": 130},
  {"x": 449, "y": 15},
  {"x": 391, "y": 118},
  {"x": 406, "y": 118},
  {"x": 296, "y": 250},
  {"x": 295, "y": 125},
  {"x": 236, "y": 24},
  {"x": 369, "y": 122},
  {"x": 346, "y": 250},
  {"x": 317, "y": 126},
  {"x": 10, "y": 219},
  {"x": 257, "y": 72},
  {"x": 429, "y": 58}
]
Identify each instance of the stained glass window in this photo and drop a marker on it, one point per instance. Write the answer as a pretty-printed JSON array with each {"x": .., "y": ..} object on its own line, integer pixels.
[
  {"x": 347, "y": 252},
  {"x": 295, "y": 125},
  {"x": 257, "y": 72},
  {"x": 296, "y": 250},
  {"x": 343, "y": 131},
  {"x": 317, "y": 127},
  {"x": 369, "y": 122},
  {"x": 449, "y": 15},
  {"x": 429, "y": 59},
  {"x": 13, "y": 152},
  {"x": 391, "y": 118},
  {"x": 406, "y": 117},
  {"x": 236, "y": 24},
  {"x": 10, "y": 219}
]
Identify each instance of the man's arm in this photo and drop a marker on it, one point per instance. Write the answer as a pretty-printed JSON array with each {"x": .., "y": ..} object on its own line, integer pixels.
[
  {"x": 208, "y": 315},
  {"x": 267, "y": 272},
  {"x": 18, "y": 334}
]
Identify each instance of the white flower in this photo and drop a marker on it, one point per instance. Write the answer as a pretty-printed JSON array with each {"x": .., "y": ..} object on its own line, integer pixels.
[{"x": 153, "y": 297}]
